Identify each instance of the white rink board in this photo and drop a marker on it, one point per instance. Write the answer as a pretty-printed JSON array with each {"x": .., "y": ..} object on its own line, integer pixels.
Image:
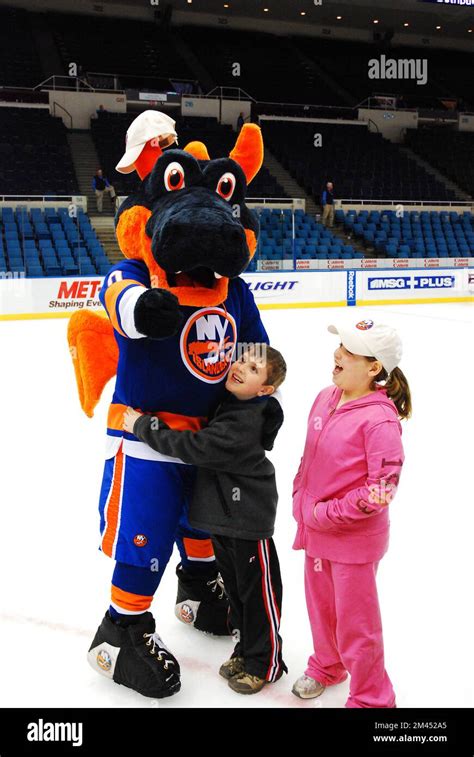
[
  {"x": 49, "y": 296},
  {"x": 293, "y": 288},
  {"x": 59, "y": 297},
  {"x": 409, "y": 284}
]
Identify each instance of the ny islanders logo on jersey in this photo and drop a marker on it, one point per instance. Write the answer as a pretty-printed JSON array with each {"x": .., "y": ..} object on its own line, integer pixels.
[
  {"x": 207, "y": 344},
  {"x": 140, "y": 540}
]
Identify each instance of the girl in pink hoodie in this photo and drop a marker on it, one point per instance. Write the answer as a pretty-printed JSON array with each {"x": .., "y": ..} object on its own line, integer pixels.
[{"x": 347, "y": 478}]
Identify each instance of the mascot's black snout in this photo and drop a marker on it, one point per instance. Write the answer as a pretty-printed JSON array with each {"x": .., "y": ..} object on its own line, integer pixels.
[{"x": 196, "y": 228}]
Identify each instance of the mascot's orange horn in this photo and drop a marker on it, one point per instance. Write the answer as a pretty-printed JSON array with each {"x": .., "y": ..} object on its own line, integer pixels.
[
  {"x": 198, "y": 150},
  {"x": 248, "y": 150}
]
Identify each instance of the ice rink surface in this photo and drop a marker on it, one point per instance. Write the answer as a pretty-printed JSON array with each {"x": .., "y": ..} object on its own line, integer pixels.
[{"x": 55, "y": 583}]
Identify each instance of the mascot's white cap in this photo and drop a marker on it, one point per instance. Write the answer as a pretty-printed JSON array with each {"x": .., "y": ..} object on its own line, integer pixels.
[{"x": 148, "y": 125}]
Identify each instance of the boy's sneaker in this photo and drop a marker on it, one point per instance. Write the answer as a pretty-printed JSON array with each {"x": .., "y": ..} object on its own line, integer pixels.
[
  {"x": 135, "y": 656},
  {"x": 202, "y": 602},
  {"x": 232, "y": 667},
  {"x": 307, "y": 688},
  {"x": 245, "y": 683}
]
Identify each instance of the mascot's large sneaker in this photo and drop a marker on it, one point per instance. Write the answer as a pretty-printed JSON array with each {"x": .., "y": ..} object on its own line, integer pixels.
[
  {"x": 202, "y": 602},
  {"x": 135, "y": 656}
]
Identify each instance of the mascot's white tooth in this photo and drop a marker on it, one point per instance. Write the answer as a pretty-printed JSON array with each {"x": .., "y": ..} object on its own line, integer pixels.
[
  {"x": 176, "y": 272},
  {"x": 217, "y": 275}
]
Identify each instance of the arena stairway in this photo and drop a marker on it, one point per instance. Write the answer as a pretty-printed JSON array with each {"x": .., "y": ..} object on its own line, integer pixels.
[
  {"x": 86, "y": 163},
  {"x": 103, "y": 225},
  {"x": 291, "y": 187}
]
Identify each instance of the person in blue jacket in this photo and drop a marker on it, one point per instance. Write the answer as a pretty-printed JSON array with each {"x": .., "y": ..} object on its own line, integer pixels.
[
  {"x": 327, "y": 202},
  {"x": 101, "y": 184}
]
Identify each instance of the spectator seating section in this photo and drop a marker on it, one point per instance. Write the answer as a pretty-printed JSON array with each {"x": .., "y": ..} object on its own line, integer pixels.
[
  {"x": 19, "y": 61},
  {"x": 362, "y": 164},
  {"x": 271, "y": 69},
  {"x": 35, "y": 157},
  {"x": 418, "y": 234},
  {"x": 40, "y": 243},
  {"x": 109, "y": 129},
  {"x": 48, "y": 242},
  {"x": 451, "y": 152},
  {"x": 140, "y": 50},
  {"x": 316, "y": 70},
  {"x": 280, "y": 239},
  {"x": 347, "y": 62}
]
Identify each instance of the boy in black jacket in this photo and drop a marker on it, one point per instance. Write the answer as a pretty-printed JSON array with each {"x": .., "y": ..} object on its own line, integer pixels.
[{"x": 235, "y": 499}]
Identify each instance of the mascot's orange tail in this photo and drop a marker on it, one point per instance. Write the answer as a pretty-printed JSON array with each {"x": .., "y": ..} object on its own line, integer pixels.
[{"x": 94, "y": 353}]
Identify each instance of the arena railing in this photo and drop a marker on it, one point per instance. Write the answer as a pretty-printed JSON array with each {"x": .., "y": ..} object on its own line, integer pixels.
[
  {"x": 305, "y": 110},
  {"x": 295, "y": 202},
  {"x": 283, "y": 203},
  {"x": 15, "y": 96},
  {"x": 421, "y": 104},
  {"x": 467, "y": 204},
  {"x": 71, "y": 84},
  {"x": 374, "y": 102},
  {"x": 230, "y": 93},
  {"x": 137, "y": 82},
  {"x": 35, "y": 201}
]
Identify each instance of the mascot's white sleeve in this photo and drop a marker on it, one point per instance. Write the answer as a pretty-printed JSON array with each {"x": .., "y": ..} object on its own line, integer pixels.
[{"x": 122, "y": 287}]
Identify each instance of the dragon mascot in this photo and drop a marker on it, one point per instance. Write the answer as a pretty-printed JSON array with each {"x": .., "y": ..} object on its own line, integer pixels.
[{"x": 176, "y": 309}]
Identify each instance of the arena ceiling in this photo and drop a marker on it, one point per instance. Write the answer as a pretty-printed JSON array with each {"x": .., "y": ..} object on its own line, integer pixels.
[
  {"x": 430, "y": 18},
  {"x": 422, "y": 17}
]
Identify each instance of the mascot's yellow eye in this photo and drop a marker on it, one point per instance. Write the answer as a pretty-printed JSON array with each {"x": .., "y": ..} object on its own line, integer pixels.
[
  {"x": 226, "y": 185},
  {"x": 174, "y": 177}
]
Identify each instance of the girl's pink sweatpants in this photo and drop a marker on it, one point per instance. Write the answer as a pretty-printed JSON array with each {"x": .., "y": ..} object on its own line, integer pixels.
[{"x": 346, "y": 625}]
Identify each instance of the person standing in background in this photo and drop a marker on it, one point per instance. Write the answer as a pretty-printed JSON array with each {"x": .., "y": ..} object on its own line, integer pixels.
[
  {"x": 101, "y": 184},
  {"x": 327, "y": 201}
]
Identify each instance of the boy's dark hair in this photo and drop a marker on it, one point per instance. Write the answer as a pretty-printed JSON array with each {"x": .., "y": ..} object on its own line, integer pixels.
[
  {"x": 276, "y": 367},
  {"x": 274, "y": 361}
]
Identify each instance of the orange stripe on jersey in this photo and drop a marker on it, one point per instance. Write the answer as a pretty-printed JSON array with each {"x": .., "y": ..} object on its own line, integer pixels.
[
  {"x": 174, "y": 420},
  {"x": 113, "y": 506},
  {"x": 199, "y": 549},
  {"x": 182, "y": 422},
  {"x": 131, "y": 602},
  {"x": 111, "y": 296}
]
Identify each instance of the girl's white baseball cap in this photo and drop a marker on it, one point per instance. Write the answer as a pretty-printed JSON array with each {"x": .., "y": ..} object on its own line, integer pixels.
[
  {"x": 372, "y": 340},
  {"x": 151, "y": 124}
]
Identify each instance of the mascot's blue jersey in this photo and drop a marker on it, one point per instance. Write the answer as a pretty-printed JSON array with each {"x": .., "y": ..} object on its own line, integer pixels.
[{"x": 181, "y": 377}]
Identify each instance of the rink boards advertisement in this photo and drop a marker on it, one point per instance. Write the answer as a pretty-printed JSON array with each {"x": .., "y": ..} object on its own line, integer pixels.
[
  {"x": 415, "y": 285},
  {"x": 21, "y": 297}
]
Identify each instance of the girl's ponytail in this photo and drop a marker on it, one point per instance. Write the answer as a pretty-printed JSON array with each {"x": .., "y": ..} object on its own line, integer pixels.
[{"x": 397, "y": 389}]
